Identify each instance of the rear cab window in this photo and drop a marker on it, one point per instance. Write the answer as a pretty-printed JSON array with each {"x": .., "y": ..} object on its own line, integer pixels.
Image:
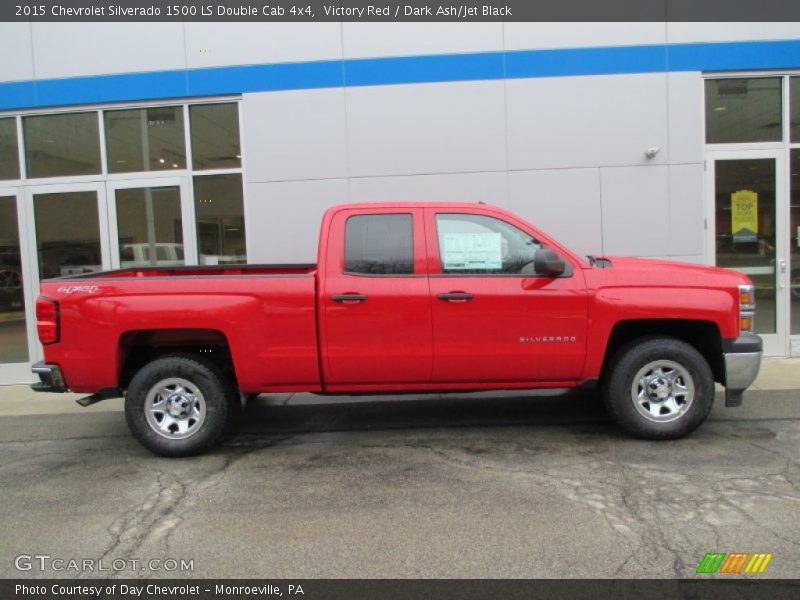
[{"x": 379, "y": 244}]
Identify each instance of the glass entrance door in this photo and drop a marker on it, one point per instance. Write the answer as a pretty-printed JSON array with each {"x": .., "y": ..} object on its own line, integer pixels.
[
  {"x": 150, "y": 221},
  {"x": 748, "y": 222},
  {"x": 17, "y": 340}
]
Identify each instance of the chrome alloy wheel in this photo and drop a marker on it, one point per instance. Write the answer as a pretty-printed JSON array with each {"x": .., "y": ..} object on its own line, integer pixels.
[
  {"x": 662, "y": 391},
  {"x": 175, "y": 408}
]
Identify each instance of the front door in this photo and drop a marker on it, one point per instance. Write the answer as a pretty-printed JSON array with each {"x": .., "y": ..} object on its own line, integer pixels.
[
  {"x": 749, "y": 233},
  {"x": 376, "y": 321},
  {"x": 494, "y": 319}
]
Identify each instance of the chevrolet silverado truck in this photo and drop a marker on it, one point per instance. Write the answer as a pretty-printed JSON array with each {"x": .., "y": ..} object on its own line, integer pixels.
[{"x": 405, "y": 297}]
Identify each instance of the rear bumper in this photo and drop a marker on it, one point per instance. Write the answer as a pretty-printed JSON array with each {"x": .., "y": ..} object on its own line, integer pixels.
[
  {"x": 742, "y": 362},
  {"x": 51, "y": 379}
]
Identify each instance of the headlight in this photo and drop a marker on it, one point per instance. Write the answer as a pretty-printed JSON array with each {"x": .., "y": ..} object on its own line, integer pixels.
[{"x": 747, "y": 307}]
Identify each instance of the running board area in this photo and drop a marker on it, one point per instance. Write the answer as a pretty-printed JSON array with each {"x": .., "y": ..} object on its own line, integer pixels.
[{"x": 104, "y": 394}]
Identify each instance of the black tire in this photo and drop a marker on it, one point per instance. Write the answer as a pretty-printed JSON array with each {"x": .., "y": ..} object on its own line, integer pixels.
[
  {"x": 208, "y": 389},
  {"x": 673, "y": 416}
]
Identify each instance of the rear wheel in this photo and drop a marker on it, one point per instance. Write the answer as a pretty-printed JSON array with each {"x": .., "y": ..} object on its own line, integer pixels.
[
  {"x": 659, "y": 388},
  {"x": 179, "y": 405}
]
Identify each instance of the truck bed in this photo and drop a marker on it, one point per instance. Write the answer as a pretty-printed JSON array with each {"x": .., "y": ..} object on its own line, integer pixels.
[
  {"x": 265, "y": 315},
  {"x": 199, "y": 271}
]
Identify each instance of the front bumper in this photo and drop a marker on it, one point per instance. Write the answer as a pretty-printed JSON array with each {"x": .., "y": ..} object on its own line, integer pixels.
[
  {"x": 742, "y": 362},
  {"x": 51, "y": 379}
]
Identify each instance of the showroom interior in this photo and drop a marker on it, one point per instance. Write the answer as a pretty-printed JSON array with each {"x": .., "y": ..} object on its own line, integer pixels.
[{"x": 161, "y": 144}]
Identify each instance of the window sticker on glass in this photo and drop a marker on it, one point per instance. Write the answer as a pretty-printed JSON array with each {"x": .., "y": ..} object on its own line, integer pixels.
[{"x": 472, "y": 251}]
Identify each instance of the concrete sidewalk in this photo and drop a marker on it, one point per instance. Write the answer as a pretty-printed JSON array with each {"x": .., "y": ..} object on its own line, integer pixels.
[{"x": 775, "y": 374}]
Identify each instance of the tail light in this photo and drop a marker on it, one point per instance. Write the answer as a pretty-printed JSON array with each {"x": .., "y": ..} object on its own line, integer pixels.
[
  {"x": 48, "y": 320},
  {"x": 747, "y": 308}
]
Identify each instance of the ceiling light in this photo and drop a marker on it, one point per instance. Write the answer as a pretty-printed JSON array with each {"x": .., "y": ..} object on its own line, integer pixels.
[
  {"x": 721, "y": 108},
  {"x": 161, "y": 160}
]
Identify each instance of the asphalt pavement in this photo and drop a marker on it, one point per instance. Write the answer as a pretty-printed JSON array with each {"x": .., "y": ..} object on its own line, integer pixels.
[{"x": 467, "y": 486}]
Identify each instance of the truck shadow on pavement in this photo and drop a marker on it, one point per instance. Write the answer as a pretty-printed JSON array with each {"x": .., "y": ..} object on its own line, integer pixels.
[{"x": 266, "y": 415}]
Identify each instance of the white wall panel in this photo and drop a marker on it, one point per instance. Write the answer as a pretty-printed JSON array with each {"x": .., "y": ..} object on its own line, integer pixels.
[
  {"x": 681, "y": 33},
  {"x": 635, "y": 211},
  {"x": 522, "y": 36},
  {"x": 283, "y": 218},
  {"x": 219, "y": 44},
  {"x": 564, "y": 203},
  {"x": 696, "y": 259},
  {"x": 462, "y": 187},
  {"x": 586, "y": 121},
  {"x": 686, "y": 209},
  {"x": 686, "y": 105},
  {"x": 403, "y": 39},
  {"x": 16, "y": 56},
  {"x": 294, "y": 135},
  {"x": 74, "y": 49},
  {"x": 429, "y": 128}
]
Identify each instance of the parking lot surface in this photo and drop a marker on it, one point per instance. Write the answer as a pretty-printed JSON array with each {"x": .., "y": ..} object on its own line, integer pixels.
[{"x": 475, "y": 485}]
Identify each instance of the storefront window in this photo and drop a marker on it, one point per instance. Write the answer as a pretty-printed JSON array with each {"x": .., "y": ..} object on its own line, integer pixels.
[
  {"x": 150, "y": 227},
  {"x": 67, "y": 233},
  {"x": 743, "y": 110},
  {"x": 9, "y": 153},
  {"x": 13, "y": 333},
  {"x": 145, "y": 139},
  {"x": 794, "y": 240},
  {"x": 794, "y": 108},
  {"x": 215, "y": 136},
  {"x": 59, "y": 145},
  {"x": 219, "y": 207}
]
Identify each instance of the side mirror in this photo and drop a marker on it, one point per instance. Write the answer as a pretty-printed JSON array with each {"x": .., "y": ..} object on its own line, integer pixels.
[{"x": 547, "y": 262}]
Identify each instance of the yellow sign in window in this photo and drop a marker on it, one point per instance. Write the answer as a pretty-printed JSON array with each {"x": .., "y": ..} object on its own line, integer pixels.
[{"x": 744, "y": 216}]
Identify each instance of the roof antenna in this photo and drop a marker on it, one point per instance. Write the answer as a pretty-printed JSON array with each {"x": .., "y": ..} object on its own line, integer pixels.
[{"x": 481, "y": 202}]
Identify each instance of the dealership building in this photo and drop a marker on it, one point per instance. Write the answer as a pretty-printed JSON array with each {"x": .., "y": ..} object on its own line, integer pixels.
[{"x": 127, "y": 144}]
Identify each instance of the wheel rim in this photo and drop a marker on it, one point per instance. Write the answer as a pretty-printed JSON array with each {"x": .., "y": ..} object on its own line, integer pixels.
[
  {"x": 662, "y": 391},
  {"x": 175, "y": 408}
]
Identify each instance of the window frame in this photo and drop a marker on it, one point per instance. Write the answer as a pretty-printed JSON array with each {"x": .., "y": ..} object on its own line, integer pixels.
[
  {"x": 571, "y": 260},
  {"x": 23, "y": 156},
  {"x": 783, "y": 79},
  {"x": 99, "y": 109},
  {"x": 20, "y": 166},
  {"x": 104, "y": 177},
  {"x": 414, "y": 266},
  {"x": 467, "y": 273},
  {"x": 145, "y": 173}
]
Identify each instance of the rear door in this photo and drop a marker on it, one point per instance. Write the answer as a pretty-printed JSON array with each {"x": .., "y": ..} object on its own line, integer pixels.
[
  {"x": 375, "y": 299},
  {"x": 494, "y": 319}
]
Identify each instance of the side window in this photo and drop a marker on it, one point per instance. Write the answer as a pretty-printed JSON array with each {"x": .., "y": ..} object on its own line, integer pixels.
[
  {"x": 478, "y": 245},
  {"x": 379, "y": 245}
]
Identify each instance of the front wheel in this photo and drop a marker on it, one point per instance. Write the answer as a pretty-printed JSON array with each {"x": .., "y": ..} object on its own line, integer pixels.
[
  {"x": 659, "y": 388},
  {"x": 179, "y": 405}
]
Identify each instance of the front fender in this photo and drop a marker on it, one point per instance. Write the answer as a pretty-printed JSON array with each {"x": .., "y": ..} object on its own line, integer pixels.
[{"x": 611, "y": 306}]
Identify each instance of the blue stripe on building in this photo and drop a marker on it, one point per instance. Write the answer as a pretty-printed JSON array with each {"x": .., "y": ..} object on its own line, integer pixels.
[{"x": 480, "y": 66}]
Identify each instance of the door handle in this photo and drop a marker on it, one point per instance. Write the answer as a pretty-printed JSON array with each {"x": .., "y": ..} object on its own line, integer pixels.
[
  {"x": 349, "y": 298},
  {"x": 456, "y": 296},
  {"x": 782, "y": 271}
]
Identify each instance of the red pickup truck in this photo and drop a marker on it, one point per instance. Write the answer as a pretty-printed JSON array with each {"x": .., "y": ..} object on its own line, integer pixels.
[{"x": 404, "y": 297}]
